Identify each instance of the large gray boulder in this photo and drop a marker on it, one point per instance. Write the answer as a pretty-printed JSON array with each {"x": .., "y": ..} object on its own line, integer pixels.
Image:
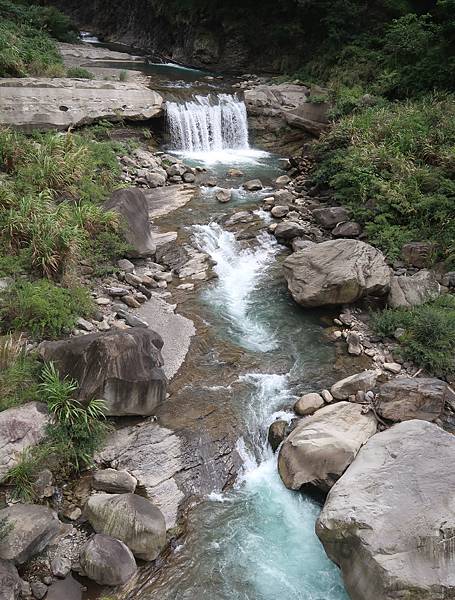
[
  {"x": 30, "y": 528},
  {"x": 107, "y": 561},
  {"x": 349, "y": 386},
  {"x": 132, "y": 205},
  {"x": 10, "y": 582},
  {"x": 411, "y": 291},
  {"x": 389, "y": 521},
  {"x": 113, "y": 481},
  {"x": 132, "y": 519},
  {"x": 322, "y": 446},
  {"x": 336, "y": 272},
  {"x": 406, "y": 398},
  {"x": 330, "y": 216},
  {"x": 20, "y": 428},
  {"x": 59, "y": 103},
  {"x": 122, "y": 367}
]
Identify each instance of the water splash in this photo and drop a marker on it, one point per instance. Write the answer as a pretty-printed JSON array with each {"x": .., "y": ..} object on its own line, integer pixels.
[
  {"x": 239, "y": 270},
  {"x": 208, "y": 124}
]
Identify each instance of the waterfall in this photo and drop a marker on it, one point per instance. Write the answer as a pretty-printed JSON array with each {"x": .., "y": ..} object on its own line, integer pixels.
[{"x": 208, "y": 124}]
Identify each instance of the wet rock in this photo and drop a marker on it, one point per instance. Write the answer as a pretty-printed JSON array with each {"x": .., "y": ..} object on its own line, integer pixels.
[
  {"x": 331, "y": 216},
  {"x": 107, "y": 561},
  {"x": 132, "y": 205},
  {"x": 132, "y": 519},
  {"x": 10, "y": 582},
  {"x": 113, "y": 481},
  {"x": 322, "y": 446},
  {"x": 336, "y": 272},
  {"x": 406, "y": 398},
  {"x": 211, "y": 182},
  {"x": 235, "y": 173},
  {"x": 349, "y": 229},
  {"x": 277, "y": 433},
  {"x": 20, "y": 428},
  {"x": 30, "y": 529},
  {"x": 122, "y": 367},
  {"x": 389, "y": 521},
  {"x": 308, "y": 404},
  {"x": 188, "y": 177},
  {"x": 418, "y": 254},
  {"x": 288, "y": 230},
  {"x": 279, "y": 211},
  {"x": 341, "y": 390},
  {"x": 253, "y": 186},
  {"x": 412, "y": 291}
]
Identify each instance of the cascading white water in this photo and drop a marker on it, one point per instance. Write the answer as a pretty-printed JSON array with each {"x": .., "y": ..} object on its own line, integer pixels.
[{"x": 208, "y": 124}]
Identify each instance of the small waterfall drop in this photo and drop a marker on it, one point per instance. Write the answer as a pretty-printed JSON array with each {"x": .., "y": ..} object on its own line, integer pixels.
[{"x": 208, "y": 124}]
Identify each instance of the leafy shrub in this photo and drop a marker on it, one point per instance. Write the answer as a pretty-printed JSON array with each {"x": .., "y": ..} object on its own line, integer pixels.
[
  {"x": 43, "y": 308},
  {"x": 429, "y": 338},
  {"x": 79, "y": 73},
  {"x": 18, "y": 373}
]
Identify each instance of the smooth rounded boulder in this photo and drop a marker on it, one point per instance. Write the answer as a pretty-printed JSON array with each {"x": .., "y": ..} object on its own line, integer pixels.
[
  {"x": 132, "y": 519},
  {"x": 389, "y": 521},
  {"x": 124, "y": 368},
  {"x": 322, "y": 446},
  {"x": 113, "y": 481},
  {"x": 336, "y": 272},
  {"x": 107, "y": 561}
]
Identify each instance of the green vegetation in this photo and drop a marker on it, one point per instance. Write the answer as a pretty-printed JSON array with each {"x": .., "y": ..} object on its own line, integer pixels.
[
  {"x": 5, "y": 528},
  {"x": 79, "y": 73},
  {"x": 18, "y": 373},
  {"x": 27, "y": 39},
  {"x": 123, "y": 76},
  {"x": 429, "y": 333},
  {"x": 74, "y": 435}
]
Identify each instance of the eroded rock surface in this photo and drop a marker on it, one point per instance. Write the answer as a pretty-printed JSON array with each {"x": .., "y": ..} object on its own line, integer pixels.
[
  {"x": 412, "y": 291},
  {"x": 389, "y": 521},
  {"x": 107, "y": 561}
]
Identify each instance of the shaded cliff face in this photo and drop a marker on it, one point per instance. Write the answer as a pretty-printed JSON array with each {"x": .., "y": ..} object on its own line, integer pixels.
[{"x": 220, "y": 37}]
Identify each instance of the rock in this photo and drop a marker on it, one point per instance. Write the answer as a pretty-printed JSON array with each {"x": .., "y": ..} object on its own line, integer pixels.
[
  {"x": 130, "y": 301},
  {"x": 30, "y": 529},
  {"x": 282, "y": 180},
  {"x": 327, "y": 396},
  {"x": 299, "y": 244},
  {"x": 156, "y": 179},
  {"x": 73, "y": 514},
  {"x": 177, "y": 169},
  {"x": 65, "y": 589},
  {"x": 132, "y": 519},
  {"x": 211, "y": 182},
  {"x": 349, "y": 229},
  {"x": 107, "y": 561},
  {"x": 277, "y": 433},
  {"x": 60, "y": 567},
  {"x": 223, "y": 195},
  {"x": 5, "y": 283},
  {"x": 85, "y": 325},
  {"x": 308, "y": 404},
  {"x": 288, "y": 230},
  {"x": 279, "y": 211},
  {"x": 389, "y": 521},
  {"x": 44, "y": 484},
  {"x": 122, "y": 367},
  {"x": 235, "y": 173},
  {"x": 60, "y": 103},
  {"x": 354, "y": 343},
  {"x": 322, "y": 446},
  {"x": 412, "y": 291},
  {"x": 132, "y": 205},
  {"x": 20, "y": 428},
  {"x": 336, "y": 272},
  {"x": 10, "y": 582},
  {"x": 392, "y": 367},
  {"x": 124, "y": 265},
  {"x": 331, "y": 216},
  {"x": 366, "y": 380},
  {"x": 406, "y": 398},
  {"x": 39, "y": 589},
  {"x": 418, "y": 254},
  {"x": 253, "y": 186},
  {"x": 283, "y": 197},
  {"x": 114, "y": 482}
]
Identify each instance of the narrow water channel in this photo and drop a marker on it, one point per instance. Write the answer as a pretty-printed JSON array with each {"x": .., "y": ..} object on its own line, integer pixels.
[{"x": 256, "y": 541}]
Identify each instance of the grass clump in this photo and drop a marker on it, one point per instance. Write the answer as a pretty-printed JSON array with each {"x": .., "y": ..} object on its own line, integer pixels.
[
  {"x": 79, "y": 73},
  {"x": 18, "y": 373},
  {"x": 75, "y": 433},
  {"x": 429, "y": 333},
  {"x": 43, "y": 308}
]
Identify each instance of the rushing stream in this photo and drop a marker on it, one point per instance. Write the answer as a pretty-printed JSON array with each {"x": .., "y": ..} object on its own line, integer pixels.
[{"x": 256, "y": 541}]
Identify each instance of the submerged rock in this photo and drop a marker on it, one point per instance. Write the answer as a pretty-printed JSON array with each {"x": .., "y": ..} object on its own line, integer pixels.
[
  {"x": 107, "y": 561},
  {"x": 322, "y": 446},
  {"x": 336, "y": 272},
  {"x": 389, "y": 521},
  {"x": 122, "y": 367},
  {"x": 131, "y": 519}
]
